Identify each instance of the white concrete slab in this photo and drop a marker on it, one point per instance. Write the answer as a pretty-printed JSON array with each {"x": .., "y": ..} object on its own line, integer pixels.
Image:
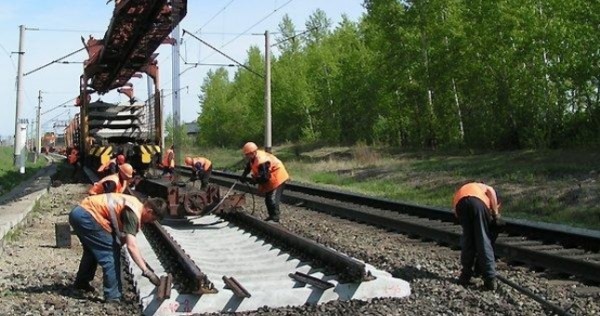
[{"x": 224, "y": 250}]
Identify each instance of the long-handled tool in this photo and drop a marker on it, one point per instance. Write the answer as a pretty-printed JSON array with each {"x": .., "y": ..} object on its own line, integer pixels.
[{"x": 556, "y": 309}]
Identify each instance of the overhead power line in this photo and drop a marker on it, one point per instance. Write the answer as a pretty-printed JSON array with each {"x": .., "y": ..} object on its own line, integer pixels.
[
  {"x": 53, "y": 62},
  {"x": 213, "y": 17},
  {"x": 293, "y": 36},
  {"x": 9, "y": 57},
  {"x": 252, "y": 26},
  {"x": 220, "y": 52},
  {"x": 64, "y": 104},
  {"x": 69, "y": 30}
]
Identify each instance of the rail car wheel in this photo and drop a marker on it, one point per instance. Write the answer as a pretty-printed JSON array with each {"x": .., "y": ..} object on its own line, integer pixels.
[{"x": 195, "y": 202}]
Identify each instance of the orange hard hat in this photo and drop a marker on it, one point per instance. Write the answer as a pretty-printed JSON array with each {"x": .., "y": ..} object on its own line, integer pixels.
[
  {"x": 120, "y": 159},
  {"x": 188, "y": 160},
  {"x": 249, "y": 147},
  {"x": 126, "y": 170}
]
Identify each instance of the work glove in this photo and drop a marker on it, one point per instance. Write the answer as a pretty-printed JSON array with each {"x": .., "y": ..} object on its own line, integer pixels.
[
  {"x": 498, "y": 221},
  {"x": 150, "y": 275},
  {"x": 252, "y": 181}
]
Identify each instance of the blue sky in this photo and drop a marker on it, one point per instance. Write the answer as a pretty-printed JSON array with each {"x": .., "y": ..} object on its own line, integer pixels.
[{"x": 61, "y": 23}]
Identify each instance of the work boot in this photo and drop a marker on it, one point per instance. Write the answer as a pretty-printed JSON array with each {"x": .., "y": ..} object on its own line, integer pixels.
[
  {"x": 113, "y": 301},
  {"x": 464, "y": 280},
  {"x": 272, "y": 219},
  {"x": 489, "y": 284},
  {"x": 84, "y": 286}
]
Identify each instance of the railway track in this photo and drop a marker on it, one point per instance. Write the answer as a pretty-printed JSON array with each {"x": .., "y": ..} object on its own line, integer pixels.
[
  {"x": 565, "y": 250},
  {"x": 230, "y": 255},
  {"x": 444, "y": 232}
]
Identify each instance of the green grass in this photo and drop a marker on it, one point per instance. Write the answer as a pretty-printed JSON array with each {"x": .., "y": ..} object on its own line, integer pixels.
[
  {"x": 13, "y": 234},
  {"x": 9, "y": 174},
  {"x": 556, "y": 186}
]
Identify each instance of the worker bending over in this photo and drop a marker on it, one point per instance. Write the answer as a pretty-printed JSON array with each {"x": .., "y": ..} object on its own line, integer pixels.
[
  {"x": 476, "y": 206},
  {"x": 103, "y": 224},
  {"x": 111, "y": 166},
  {"x": 114, "y": 183},
  {"x": 201, "y": 168}
]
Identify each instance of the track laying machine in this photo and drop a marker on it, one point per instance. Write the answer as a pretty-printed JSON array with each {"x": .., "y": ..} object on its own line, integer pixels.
[{"x": 132, "y": 128}]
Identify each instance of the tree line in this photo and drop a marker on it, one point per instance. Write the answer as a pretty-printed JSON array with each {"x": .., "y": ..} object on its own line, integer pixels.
[{"x": 504, "y": 74}]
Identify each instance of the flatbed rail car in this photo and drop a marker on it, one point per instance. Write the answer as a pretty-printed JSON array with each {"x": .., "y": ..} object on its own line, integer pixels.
[{"x": 123, "y": 128}]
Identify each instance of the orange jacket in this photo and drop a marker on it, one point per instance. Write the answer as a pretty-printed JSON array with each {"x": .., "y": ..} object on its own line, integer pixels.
[
  {"x": 203, "y": 161},
  {"x": 97, "y": 188},
  {"x": 107, "y": 164},
  {"x": 276, "y": 169},
  {"x": 98, "y": 207},
  {"x": 169, "y": 159},
  {"x": 474, "y": 189}
]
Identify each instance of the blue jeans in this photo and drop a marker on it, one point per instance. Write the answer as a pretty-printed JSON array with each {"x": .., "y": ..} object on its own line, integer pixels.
[
  {"x": 476, "y": 239},
  {"x": 99, "y": 247}
]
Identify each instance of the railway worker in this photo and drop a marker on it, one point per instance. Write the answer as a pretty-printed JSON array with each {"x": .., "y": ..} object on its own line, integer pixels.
[
  {"x": 168, "y": 163},
  {"x": 476, "y": 206},
  {"x": 269, "y": 173},
  {"x": 111, "y": 166},
  {"x": 114, "y": 183},
  {"x": 103, "y": 224},
  {"x": 201, "y": 168},
  {"x": 73, "y": 156}
]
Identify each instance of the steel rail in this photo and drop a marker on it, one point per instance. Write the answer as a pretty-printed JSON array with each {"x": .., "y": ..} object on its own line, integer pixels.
[
  {"x": 201, "y": 283},
  {"x": 441, "y": 232},
  {"x": 350, "y": 267},
  {"x": 565, "y": 235}
]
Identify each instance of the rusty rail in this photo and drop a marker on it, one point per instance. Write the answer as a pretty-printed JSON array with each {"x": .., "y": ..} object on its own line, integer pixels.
[
  {"x": 201, "y": 283},
  {"x": 307, "y": 279},
  {"x": 164, "y": 288},
  {"x": 347, "y": 266},
  {"x": 235, "y": 286}
]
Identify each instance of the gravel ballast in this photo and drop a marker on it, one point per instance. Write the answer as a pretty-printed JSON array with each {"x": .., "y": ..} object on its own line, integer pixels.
[{"x": 35, "y": 276}]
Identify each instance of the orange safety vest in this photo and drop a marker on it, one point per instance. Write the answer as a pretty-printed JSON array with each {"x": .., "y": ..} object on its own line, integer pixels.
[
  {"x": 106, "y": 164},
  {"x": 471, "y": 189},
  {"x": 98, "y": 189},
  {"x": 203, "y": 161},
  {"x": 99, "y": 206},
  {"x": 277, "y": 170},
  {"x": 169, "y": 160}
]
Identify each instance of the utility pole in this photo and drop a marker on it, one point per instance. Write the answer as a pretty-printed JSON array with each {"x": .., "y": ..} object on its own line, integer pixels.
[
  {"x": 162, "y": 115},
  {"x": 267, "y": 93},
  {"x": 19, "y": 99},
  {"x": 176, "y": 100},
  {"x": 37, "y": 127}
]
